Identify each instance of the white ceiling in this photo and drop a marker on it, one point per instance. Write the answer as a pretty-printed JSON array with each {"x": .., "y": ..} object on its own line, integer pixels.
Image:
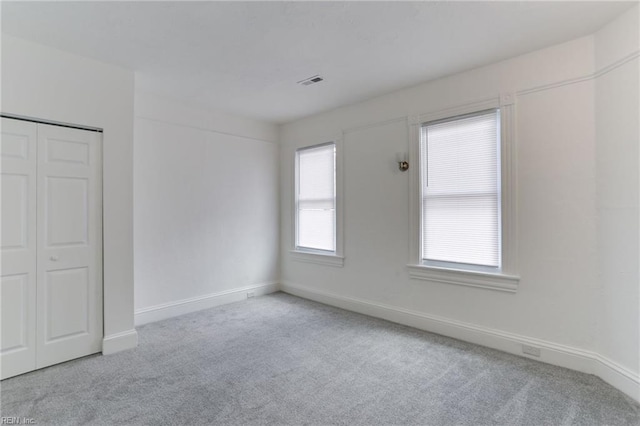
[{"x": 246, "y": 57}]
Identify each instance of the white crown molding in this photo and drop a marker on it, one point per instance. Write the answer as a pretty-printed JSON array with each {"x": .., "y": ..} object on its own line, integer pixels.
[
  {"x": 617, "y": 64},
  {"x": 415, "y": 119},
  {"x": 598, "y": 73},
  {"x": 204, "y": 129},
  {"x": 507, "y": 98}
]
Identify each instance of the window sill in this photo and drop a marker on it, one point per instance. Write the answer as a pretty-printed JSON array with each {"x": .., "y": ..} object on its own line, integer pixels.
[
  {"x": 317, "y": 258},
  {"x": 490, "y": 281}
]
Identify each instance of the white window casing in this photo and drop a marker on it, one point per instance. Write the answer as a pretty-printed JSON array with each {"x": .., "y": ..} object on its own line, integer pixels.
[
  {"x": 476, "y": 183},
  {"x": 317, "y": 204}
]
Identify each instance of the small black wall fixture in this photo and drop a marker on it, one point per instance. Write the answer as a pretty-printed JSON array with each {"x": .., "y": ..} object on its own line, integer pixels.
[{"x": 403, "y": 161}]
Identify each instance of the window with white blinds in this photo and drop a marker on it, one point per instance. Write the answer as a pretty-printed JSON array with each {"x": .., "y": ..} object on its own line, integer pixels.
[
  {"x": 460, "y": 188},
  {"x": 316, "y": 198}
]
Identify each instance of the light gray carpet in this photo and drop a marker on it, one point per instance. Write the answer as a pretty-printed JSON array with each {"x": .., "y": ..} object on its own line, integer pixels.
[{"x": 279, "y": 360}]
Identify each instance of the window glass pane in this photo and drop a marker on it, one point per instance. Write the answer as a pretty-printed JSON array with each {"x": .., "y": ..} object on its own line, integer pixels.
[
  {"x": 316, "y": 173},
  {"x": 316, "y": 229},
  {"x": 316, "y": 201},
  {"x": 460, "y": 190}
]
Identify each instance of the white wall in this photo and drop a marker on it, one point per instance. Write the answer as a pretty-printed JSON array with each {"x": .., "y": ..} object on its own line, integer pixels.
[
  {"x": 578, "y": 199},
  {"x": 618, "y": 189},
  {"x": 49, "y": 84},
  {"x": 555, "y": 141},
  {"x": 556, "y": 305},
  {"x": 206, "y": 208}
]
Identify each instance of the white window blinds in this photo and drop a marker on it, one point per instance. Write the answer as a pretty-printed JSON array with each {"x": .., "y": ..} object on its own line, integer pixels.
[
  {"x": 460, "y": 181},
  {"x": 316, "y": 197}
]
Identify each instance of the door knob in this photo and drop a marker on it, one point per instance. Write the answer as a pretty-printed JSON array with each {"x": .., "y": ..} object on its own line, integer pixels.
[{"x": 54, "y": 258}]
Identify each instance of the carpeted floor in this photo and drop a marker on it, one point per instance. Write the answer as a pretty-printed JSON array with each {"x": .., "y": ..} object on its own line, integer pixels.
[{"x": 279, "y": 360}]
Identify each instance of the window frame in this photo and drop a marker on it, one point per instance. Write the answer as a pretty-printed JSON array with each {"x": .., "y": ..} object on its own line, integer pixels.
[
  {"x": 462, "y": 265},
  {"x": 505, "y": 277},
  {"x": 311, "y": 255}
]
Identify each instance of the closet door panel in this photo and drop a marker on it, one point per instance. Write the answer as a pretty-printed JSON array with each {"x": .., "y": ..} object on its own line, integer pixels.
[
  {"x": 18, "y": 158},
  {"x": 69, "y": 243}
]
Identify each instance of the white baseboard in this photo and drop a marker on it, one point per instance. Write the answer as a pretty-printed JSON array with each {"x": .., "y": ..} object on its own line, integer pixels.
[
  {"x": 193, "y": 304},
  {"x": 552, "y": 353},
  {"x": 119, "y": 342},
  {"x": 617, "y": 376}
]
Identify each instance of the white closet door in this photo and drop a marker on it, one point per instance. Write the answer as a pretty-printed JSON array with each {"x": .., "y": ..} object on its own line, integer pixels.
[
  {"x": 18, "y": 235},
  {"x": 69, "y": 290}
]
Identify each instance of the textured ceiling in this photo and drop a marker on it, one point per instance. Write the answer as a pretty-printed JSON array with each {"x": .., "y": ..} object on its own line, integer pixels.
[{"x": 246, "y": 57}]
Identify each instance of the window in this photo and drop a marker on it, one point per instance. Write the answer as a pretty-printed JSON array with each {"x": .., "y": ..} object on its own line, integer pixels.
[
  {"x": 460, "y": 187},
  {"x": 316, "y": 198},
  {"x": 317, "y": 204},
  {"x": 463, "y": 196}
]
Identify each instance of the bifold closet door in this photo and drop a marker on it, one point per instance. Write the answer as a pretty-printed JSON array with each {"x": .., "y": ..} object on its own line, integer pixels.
[
  {"x": 18, "y": 235},
  {"x": 69, "y": 271},
  {"x": 60, "y": 315}
]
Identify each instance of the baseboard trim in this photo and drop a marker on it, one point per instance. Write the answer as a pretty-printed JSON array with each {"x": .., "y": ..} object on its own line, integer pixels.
[
  {"x": 617, "y": 376},
  {"x": 193, "y": 304},
  {"x": 551, "y": 353},
  {"x": 119, "y": 342}
]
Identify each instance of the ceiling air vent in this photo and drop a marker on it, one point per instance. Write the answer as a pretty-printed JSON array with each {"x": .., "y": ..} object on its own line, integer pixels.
[{"x": 311, "y": 80}]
